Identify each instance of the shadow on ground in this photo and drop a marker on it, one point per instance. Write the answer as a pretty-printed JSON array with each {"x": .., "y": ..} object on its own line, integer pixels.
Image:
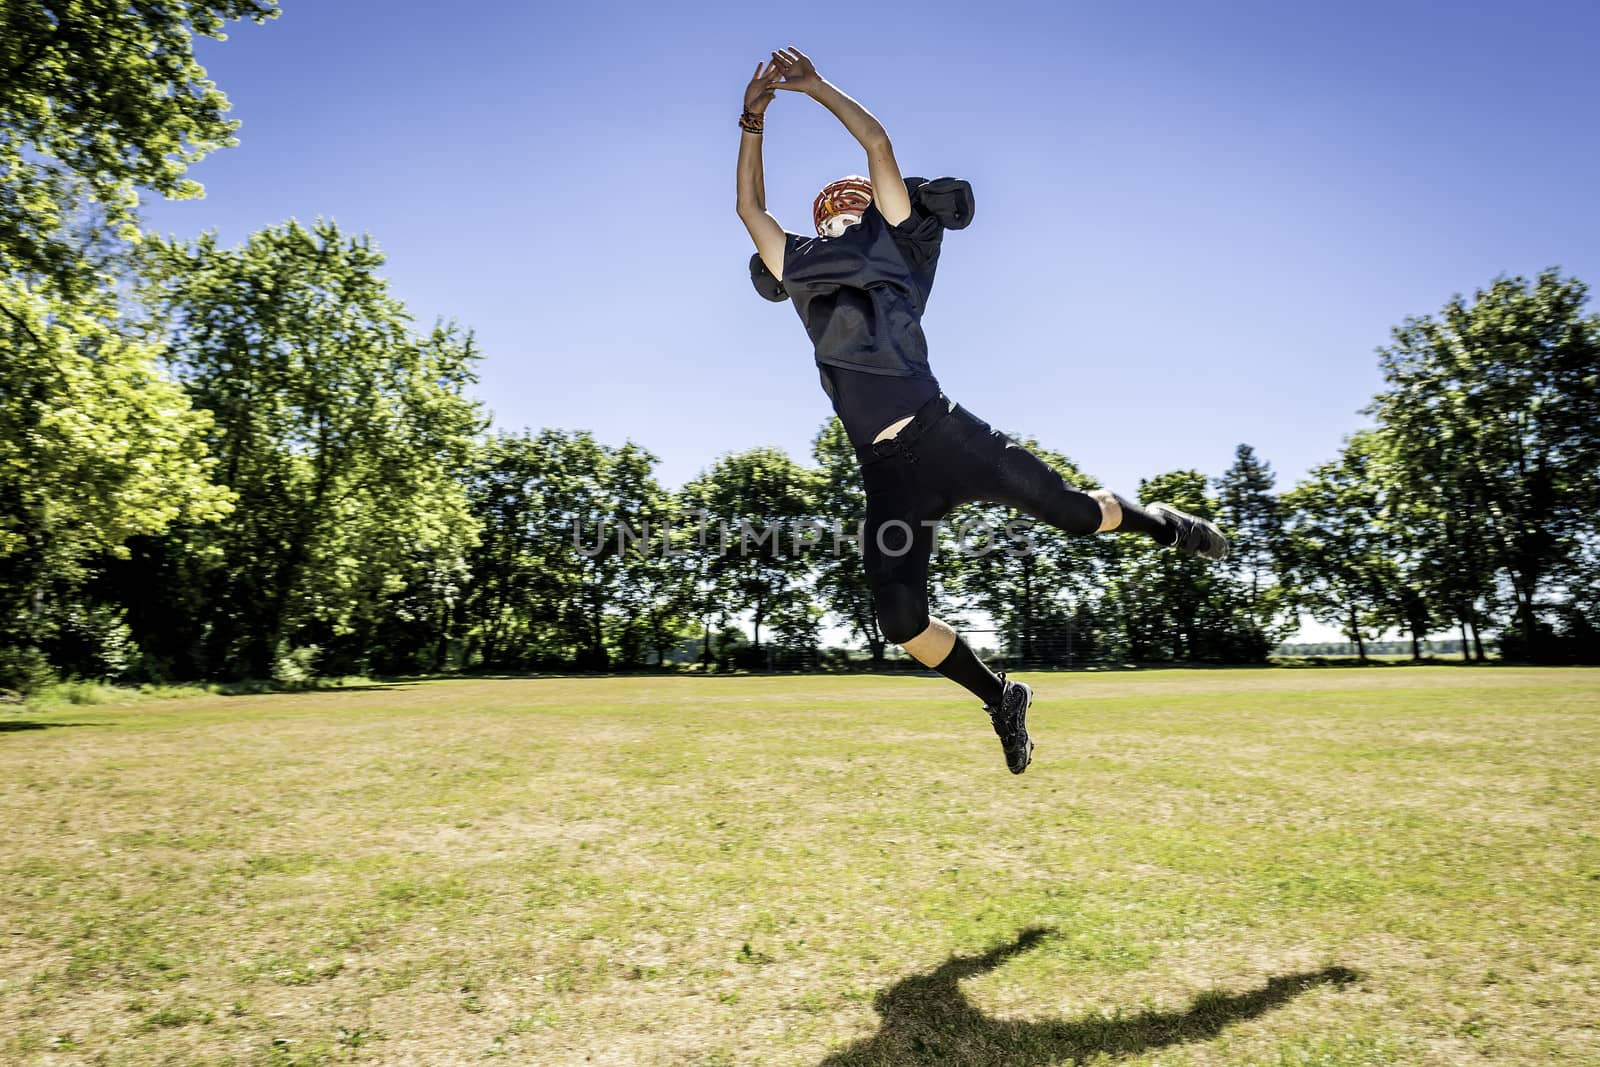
[
  {"x": 926, "y": 1019},
  {"x": 11, "y": 725}
]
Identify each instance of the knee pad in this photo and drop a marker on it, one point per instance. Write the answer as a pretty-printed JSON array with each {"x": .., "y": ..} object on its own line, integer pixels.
[{"x": 902, "y": 614}]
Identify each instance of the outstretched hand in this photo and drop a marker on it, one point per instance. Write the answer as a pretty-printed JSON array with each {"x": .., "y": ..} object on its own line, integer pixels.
[
  {"x": 758, "y": 94},
  {"x": 799, "y": 75}
]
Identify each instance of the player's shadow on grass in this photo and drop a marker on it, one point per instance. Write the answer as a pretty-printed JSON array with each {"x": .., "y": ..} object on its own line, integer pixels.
[
  {"x": 928, "y": 1020},
  {"x": 12, "y": 725}
]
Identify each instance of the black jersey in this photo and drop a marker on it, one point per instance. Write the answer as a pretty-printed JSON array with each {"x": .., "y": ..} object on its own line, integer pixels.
[
  {"x": 861, "y": 295},
  {"x": 866, "y": 403}
]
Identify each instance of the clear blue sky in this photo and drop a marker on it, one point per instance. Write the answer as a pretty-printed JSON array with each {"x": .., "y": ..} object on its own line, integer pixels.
[{"x": 1194, "y": 224}]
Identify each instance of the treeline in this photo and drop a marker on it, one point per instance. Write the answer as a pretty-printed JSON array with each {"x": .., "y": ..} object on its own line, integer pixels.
[
  {"x": 234, "y": 463},
  {"x": 1433, "y": 647},
  {"x": 260, "y": 469}
]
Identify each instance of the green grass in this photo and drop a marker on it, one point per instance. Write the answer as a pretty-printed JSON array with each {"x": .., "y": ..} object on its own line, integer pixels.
[
  {"x": 77, "y": 693},
  {"x": 1273, "y": 868}
]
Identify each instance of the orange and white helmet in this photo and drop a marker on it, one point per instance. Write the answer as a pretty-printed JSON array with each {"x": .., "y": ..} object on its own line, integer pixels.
[{"x": 840, "y": 204}]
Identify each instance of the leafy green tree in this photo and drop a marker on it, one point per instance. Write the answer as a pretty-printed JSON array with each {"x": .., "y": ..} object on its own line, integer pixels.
[
  {"x": 1251, "y": 516},
  {"x": 841, "y": 504},
  {"x": 655, "y": 602},
  {"x": 1031, "y": 578},
  {"x": 612, "y": 494},
  {"x": 650, "y": 593},
  {"x": 1173, "y": 606},
  {"x": 1575, "y": 636},
  {"x": 570, "y": 568},
  {"x": 339, "y": 429},
  {"x": 97, "y": 101},
  {"x": 1441, "y": 544},
  {"x": 416, "y": 628},
  {"x": 659, "y": 587},
  {"x": 1341, "y": 561},
  {"x": 504, "y": 566},
  {"x": 1404, "y": 532},
  {"x": 580, "y": 587},
  {"x": 797, "y": 632},
  {"x": 546, "y": 567},
  {"x": 755, "y": 503},
  {"x": 97, "y": 447},
  {"x": 1493, "y": 411}
]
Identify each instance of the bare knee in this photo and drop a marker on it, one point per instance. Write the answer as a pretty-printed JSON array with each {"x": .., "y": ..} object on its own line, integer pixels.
[
  {"x": 1110, "y": 509},
  {"x": 932, "y": 645}
]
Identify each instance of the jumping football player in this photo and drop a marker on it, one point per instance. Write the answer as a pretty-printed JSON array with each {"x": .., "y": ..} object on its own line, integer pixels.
[{"x": 861, "y": 286}]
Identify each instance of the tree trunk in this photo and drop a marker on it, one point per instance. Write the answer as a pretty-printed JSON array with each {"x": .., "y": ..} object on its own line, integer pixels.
[
  {"x": 1027, "y": 615},
  {"x": 1466, "y": 647},
  {"x": 875, "y": 643},
  {"x": 658, "y": 640},
  {"x": 1531, "y": 644},
  {"x": 597, "y": 641},
  {"x": 441, "y": 651},
  {"x": 1355, "y": 634}
]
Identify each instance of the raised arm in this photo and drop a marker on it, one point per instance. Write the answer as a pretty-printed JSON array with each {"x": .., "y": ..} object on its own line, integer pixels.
[
  {"x": 888, "y": 187},
  {"x": 752, "y": 181}
]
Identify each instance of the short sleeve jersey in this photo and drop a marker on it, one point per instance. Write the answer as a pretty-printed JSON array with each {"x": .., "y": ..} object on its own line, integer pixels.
[{"x": 861, "y": 295}]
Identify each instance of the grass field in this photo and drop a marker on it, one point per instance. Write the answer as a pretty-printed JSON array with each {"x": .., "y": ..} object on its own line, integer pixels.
[{"x": 1279, "y": 868}]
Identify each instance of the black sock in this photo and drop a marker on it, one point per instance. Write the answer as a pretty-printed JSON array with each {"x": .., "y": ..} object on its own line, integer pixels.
[
  {"x": 1137, "y": 520},
  {"x": 964, "y": 668}
]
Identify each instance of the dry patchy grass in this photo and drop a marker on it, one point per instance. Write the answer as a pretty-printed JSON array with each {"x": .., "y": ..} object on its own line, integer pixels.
[{"x": 1272, "y": 868}]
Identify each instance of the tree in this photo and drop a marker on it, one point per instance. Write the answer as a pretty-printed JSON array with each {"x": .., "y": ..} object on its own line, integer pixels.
[
  {"x": 1342, "y": 566},
  {"x": 97, "y": 447},
  {"x": 505, "y": 499},
  {"x": 754, "y": 502},
  {"x": 99, "y": 100},
  {"x": 1416, "y": 580},
  {"x": 1252, "y": 518},
  {"x": 570, "y": 567},
  {"x": 580, "y": 522},
  {"x": 1032, "y": 579},
  {"x": 840, "y": 499},
  {"x": 649, "y": 592},
  {"x": 1493, "y": 410},
  {"x": 340, "y": 431},
  {"x": 1174, "y": 606}
]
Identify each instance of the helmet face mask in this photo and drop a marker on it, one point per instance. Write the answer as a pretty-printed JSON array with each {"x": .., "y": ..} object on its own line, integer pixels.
[{"x": 841, "y": 204}]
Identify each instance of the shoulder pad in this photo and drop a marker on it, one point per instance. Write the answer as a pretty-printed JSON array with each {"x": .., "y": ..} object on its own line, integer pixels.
[
  {"x": 768, "y": 286},
  {"x": 947, "y": 199}
]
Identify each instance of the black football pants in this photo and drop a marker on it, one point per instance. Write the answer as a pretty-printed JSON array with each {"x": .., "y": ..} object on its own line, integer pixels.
[{"x": 943, "y": 458}]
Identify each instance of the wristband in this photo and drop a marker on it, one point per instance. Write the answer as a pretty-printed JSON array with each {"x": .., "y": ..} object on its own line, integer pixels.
[{"x": 752, "y": 121}]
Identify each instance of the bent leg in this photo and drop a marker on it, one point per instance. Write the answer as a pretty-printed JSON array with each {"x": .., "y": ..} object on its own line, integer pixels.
[
  {"x": 933, "y": 644},
  {"x": 896, "y": 548}
]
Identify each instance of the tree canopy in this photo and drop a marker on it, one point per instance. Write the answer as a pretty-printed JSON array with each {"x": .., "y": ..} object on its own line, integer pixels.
[{"x": 99, "y": 100}]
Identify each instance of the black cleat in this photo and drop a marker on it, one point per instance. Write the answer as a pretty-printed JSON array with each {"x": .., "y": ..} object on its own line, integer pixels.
[
  {"x": 1011, "y": 723},
  {"x": 1195, "y": 535}
]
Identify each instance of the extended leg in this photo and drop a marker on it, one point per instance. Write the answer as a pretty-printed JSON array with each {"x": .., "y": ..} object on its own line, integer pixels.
[
  {"x": 1029, "y": 484},
  {"x": 1119, "y": 514}
]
